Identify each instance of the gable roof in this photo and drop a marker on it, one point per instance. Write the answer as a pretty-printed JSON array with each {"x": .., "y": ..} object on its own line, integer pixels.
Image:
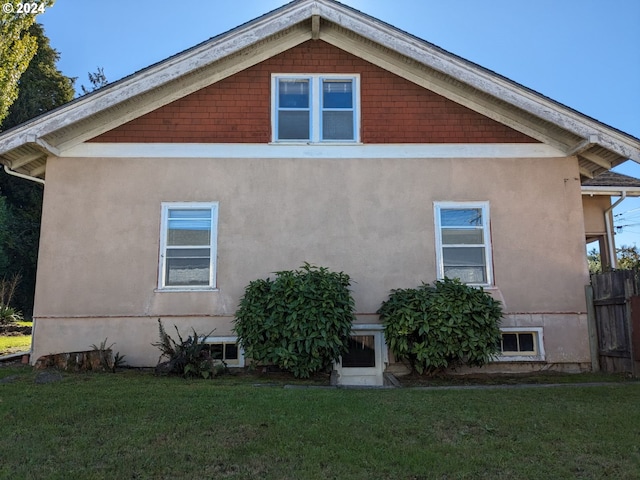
[{"x": 599, "y": 147}]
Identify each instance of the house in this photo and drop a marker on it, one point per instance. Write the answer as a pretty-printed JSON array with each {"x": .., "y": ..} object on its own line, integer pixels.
[{"x": 317, "y": 134}]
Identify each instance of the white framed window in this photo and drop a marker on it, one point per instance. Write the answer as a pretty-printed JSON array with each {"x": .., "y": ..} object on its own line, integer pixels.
[
  {"x": 188, "y": 244},
  {"x": 463, "y": 243},
  {"x": 521, "y": 344},
  {"x": 226, "y": 349},
  {"x": 315, "y": 108}
]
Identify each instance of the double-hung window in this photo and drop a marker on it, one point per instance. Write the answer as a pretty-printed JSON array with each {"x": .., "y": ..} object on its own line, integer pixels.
[
  {"x": 315, "y": 108},
  {"x": 188, "y": 246},
  {"x": 463, "y": 244}
]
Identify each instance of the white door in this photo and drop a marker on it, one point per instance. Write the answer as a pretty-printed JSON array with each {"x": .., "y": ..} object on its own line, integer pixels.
[{"x": 364, "y": 363}]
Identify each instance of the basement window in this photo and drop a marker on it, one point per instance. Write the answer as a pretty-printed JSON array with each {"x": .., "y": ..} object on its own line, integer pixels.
[
  {"x": 227, "y": 350},
  {"x": 521, "y": 343}
]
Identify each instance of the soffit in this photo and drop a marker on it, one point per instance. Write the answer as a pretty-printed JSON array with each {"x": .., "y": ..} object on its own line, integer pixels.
[{"x": 597, "y": 146}]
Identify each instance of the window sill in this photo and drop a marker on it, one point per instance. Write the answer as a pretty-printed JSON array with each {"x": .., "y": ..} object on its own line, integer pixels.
[
  {"x": 315, "y": 144},
  {"x": 185, "y": 289},
  {"x": 519, "y": 358}
]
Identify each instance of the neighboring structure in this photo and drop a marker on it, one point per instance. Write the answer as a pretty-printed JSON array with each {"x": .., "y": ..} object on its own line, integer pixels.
[
  {"x": 314, "y": 133},
  {"x": 598, "y": 210}
]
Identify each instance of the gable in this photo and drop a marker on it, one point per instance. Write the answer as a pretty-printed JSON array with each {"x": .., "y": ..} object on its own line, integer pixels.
[
  {"x": 237, "y": 109},
  {"x": 66, "y": 131}
]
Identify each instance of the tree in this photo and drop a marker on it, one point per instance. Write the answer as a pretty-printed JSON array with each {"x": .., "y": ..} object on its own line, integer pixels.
[
  {"x": 97, "y": 79},
  {"x": 42, "y": 87},
  {"x": 628, "y": 259},
  {"x": 17, "y": 48},
  {"x": 594, "y": 261}
]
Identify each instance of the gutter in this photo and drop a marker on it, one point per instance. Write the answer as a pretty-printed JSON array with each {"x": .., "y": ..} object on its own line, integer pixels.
[{"x": 22, "y": 175}]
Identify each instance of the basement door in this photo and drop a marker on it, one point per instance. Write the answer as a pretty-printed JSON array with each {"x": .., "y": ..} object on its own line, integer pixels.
[{"x": 364, "y": 363}]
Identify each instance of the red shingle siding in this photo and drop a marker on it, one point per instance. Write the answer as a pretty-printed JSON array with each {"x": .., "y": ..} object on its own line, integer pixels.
[{"x": 237, "y": 109}]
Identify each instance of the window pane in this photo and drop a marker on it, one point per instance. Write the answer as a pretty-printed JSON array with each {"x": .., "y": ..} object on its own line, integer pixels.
[
  {"x": 216, "y": 351},
  {"x": 187, "y": 267},
  {"x": 189, "y": 227},
  {"x": 231, "y": 351},
  {"x": 463, "y": 256},
  {"x": 466, "y": 274},
  {"x": 337, "y": 126},
  {"x": 337, "y": 94},
  {"x": 509, "y": 342},
  {"x": 461, "y": 217},
  {"x": 293, "y": 93},
  {"x": 526, "y": 342},
  {"x": 361, "y": 353},
  {"x": 293, "y": 125},
  {"x": 453, "y": 236}
]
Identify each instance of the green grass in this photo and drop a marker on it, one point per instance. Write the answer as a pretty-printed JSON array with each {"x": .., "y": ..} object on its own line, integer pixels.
[
  {"x": 15, "y": 343},
  {"x": 135, "y": 425}
]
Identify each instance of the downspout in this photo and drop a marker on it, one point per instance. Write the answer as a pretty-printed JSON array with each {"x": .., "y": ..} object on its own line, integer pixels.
[
  {"x": 22, "y": 175},
  {"x": 613, "y": 259},
  {"x": 37, "y": 180}
]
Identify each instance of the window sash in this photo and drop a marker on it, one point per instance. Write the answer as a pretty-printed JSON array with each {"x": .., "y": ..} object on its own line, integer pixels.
[
  {"x": 463, "y": 246},
  {"x": 188, "y": 246}
]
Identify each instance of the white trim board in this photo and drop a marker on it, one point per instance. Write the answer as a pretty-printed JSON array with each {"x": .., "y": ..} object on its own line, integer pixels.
[{"x": 213, "y": 150}]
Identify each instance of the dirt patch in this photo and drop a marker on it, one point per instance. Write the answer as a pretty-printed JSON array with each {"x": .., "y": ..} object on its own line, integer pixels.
[{"x": 14, "y": 330}]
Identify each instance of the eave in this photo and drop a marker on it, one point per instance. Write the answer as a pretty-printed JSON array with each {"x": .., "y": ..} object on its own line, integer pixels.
[{"x": 597, "y": 146}]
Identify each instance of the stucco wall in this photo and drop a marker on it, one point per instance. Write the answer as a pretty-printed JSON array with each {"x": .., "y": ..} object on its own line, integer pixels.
[
  {"x": 372, "y": 218},
  {"x": 594, "y": 208}
]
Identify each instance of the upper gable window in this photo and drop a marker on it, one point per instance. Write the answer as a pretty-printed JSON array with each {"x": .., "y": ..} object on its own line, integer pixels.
[{"x": 315, "y": 108}]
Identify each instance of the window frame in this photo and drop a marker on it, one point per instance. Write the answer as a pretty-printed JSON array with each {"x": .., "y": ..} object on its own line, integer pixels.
[
  {"x": 486, "y": 223},
  {"x": 225, "y": 341},
  {"x": 316, "y": 109},
  {"x": 213, "y": 245},
  {"x": 538, "y": 355}
]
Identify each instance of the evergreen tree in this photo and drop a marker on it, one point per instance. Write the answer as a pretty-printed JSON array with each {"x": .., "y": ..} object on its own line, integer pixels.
[
  {"x": 42, "y": 87},
  {"x": 17, "y": 48}
]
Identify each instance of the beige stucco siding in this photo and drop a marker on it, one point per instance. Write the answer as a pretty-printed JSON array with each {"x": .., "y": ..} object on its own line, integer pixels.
[
  {"x": 372, "y": 218},
  {"x": 594, "y": 208}
]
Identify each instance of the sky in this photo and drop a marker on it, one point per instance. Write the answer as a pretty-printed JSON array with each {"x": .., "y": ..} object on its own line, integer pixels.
[{"x": 582, "y": 53}]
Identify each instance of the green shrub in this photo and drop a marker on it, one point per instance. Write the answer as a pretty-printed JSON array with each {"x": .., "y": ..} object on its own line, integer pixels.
[
  {"x": 444, "y": 325},
  {"x": 301, "y": 321},
  {"x": 189, "y": 357},
  {"x": 9, "y": 314}
]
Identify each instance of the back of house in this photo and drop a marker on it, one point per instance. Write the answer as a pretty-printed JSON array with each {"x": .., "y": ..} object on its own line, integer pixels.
[{"x": 313, "y": 134}]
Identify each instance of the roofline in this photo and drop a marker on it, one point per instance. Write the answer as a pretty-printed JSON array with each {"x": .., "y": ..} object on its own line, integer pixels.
[{"x": 368, "y": 27}]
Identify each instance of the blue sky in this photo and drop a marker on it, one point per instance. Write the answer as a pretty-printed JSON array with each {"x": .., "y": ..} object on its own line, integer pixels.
[{"x": 583, "y": 53}]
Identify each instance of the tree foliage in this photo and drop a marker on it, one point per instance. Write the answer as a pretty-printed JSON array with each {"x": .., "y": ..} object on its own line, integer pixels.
[
  {"x": 301, "y": 321},
  {"x": 97, "y": 79},
  {"x": 440, "y": 326},
  {"x": 17, "y": 48},
  {"x": 628, "y": 259},
  {"x": 42, "y": 88}
]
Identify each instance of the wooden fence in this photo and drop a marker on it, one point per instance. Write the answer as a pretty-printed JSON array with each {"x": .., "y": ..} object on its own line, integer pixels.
[{"x": 613, "y": 301}]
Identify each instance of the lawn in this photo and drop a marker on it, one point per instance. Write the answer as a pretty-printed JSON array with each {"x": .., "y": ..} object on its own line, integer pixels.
[
  {"x": 135, "y": 425},
  {"x": 15, "y": 343}
]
